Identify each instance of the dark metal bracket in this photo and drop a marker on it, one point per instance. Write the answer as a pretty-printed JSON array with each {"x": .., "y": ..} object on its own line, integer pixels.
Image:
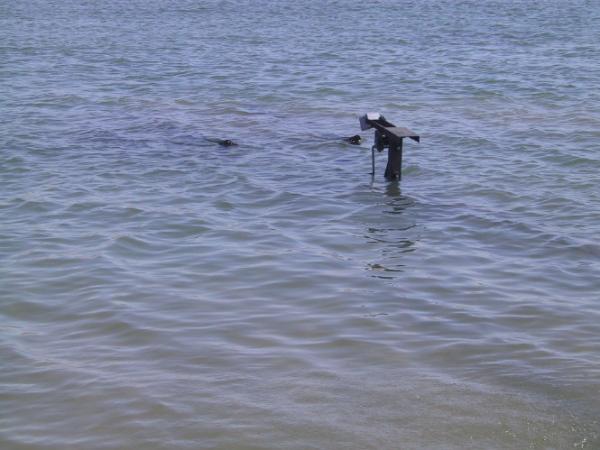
[{"x": 387, "y": 135}]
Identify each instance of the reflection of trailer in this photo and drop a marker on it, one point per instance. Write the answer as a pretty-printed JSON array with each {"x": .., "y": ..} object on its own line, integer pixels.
[{"x": 389, "y": 136}]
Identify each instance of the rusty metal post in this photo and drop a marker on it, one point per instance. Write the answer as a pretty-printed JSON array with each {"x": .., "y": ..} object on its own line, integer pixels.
[
  {"x": 389, "y": 136},
  {"x": 393, "y": 169}
]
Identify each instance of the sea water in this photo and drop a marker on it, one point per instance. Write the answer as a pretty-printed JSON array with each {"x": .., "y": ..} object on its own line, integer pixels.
[{"x": 159, "y": 291}]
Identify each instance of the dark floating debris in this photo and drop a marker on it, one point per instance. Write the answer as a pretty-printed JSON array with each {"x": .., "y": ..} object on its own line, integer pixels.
[
  {"x": 227, "y": 143},
  {"x": 387, "y": 135},
  {"x": 354, "y": 140},
  {"x": 222, "y": 142}
]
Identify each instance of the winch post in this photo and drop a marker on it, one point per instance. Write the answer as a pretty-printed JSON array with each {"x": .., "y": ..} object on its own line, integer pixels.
[
  {"x": 393, "y": 169},
  {"x": 389, "y": 136}
]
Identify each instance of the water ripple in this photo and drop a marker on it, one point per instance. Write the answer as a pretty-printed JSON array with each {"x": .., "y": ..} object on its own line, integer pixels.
[{"x": 158, "y": 290}]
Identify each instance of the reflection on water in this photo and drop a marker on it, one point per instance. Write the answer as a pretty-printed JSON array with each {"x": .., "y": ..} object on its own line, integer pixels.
[{"x": 394, "y": 234}]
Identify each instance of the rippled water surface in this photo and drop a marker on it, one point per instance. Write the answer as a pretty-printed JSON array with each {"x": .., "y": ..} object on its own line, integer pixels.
[{"x": 159, "y": 291}]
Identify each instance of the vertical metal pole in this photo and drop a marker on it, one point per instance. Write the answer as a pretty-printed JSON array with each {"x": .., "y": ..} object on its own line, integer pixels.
[
  {"x": 373, "y": 160},
  {"x": 400, "y": 158},
  {"x": 393, "y": 169}
]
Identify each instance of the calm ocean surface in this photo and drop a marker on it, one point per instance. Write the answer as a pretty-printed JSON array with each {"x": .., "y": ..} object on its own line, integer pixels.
[{"x": 159, "y": 291}]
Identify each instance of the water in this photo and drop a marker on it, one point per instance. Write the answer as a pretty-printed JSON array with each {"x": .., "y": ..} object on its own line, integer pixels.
[{"x": 158, "y": 291}]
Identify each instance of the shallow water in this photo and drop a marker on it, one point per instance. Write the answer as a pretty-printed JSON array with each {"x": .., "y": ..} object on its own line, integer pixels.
[{"x": 160, "y": 291}]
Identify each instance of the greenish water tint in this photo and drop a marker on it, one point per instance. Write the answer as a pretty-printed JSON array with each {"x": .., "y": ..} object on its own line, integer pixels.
[{"x": 159, "y": 291}]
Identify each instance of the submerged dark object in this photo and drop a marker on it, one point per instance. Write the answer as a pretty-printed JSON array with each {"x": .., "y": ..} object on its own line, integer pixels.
[
  {"x": 354, "y": 140},
  {"x": 387, "y": 135},
  {"x": 223, "y": 142}
]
